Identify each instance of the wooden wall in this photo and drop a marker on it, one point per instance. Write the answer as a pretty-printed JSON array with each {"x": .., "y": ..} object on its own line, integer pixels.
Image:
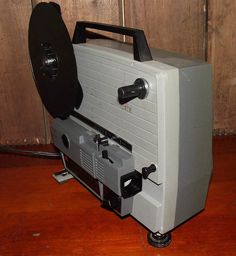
[
  {"x": 178, "y": 26},
  {"x": 222, "y": 55},
  {"x": 200, "y": 28},
  {"x": 21, "y": 112}
]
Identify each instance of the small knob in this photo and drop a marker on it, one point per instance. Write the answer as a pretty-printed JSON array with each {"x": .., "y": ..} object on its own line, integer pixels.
[
  {"x": 139, "y": 89},
  {"x": 105, "y": 154},
  {"x": 147, "y": 170}
]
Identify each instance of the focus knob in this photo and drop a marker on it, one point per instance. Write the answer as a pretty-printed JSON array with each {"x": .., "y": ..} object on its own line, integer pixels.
[{"x": 139, "y": 89}]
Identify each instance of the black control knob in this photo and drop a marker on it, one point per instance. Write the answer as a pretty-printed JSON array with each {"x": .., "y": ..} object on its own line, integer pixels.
[
  {"x": 147, "y": 170},
  {"x": 139, "y": 89}
]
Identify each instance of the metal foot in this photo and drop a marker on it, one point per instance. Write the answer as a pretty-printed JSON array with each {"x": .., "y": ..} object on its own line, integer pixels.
[
  {"x": 159, "y": 240},
  {"x": 62, "y": 176}
]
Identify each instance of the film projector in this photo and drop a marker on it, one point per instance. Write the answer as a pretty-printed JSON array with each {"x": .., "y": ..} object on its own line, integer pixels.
[{"x": 133, "y": 124}]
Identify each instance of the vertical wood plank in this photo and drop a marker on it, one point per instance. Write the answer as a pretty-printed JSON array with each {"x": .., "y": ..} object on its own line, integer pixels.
[
  {"x": 171, "y": 25},
  {"x": 21, "y": 115},
  {"x": 222, "y": 55}
]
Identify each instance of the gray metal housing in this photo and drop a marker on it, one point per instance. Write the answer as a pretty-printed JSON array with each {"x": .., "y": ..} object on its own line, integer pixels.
[
  {"x": 171, "y": 128},
  {"x": 195, "y": 132}
]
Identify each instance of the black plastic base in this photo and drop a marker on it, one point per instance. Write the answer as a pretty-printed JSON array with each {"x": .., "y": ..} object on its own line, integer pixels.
[{"x": 159, "y": 240}]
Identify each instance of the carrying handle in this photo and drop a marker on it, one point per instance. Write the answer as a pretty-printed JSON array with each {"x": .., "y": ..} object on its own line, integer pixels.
[{"x": 140, "y": 46}]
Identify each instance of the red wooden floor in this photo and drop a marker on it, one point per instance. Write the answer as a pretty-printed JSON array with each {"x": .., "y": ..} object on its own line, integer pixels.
[{"x": 41, "y": 217}]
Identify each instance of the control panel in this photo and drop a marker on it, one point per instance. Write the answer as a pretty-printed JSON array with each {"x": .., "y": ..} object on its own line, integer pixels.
[{"x": 107, "y": 163}]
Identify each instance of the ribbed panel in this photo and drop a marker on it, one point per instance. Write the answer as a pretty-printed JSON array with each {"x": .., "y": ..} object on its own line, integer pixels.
[
  {"x": 86, "y": 162},
  {"x": 136, "y": 122},
  {"x": 99, "y": 170}
]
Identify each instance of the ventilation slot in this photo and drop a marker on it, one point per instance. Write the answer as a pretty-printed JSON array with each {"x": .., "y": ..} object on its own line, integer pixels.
[
  {"x": 86, "y": 162},
  {"x": 99, "y": 170}
]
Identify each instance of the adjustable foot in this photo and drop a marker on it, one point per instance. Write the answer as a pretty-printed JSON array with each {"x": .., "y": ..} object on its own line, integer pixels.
[
  {"x": 62, "y": 176},
  {"x": 159, "y": 240}
]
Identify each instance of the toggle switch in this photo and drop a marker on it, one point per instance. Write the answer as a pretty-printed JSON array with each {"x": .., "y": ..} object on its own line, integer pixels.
[
  {"x": 147, "y": 170},
  {"x": 105, "y": 156}
]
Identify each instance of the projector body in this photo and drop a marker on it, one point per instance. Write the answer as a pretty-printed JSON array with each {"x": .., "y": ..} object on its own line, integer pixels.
[
  {"x": 170, "y": 128},
  {"x": 133, "y": 124}
]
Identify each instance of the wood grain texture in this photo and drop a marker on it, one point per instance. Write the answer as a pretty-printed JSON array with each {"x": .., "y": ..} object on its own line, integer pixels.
[
  {"x": 106, "y": 11},
  {"x": 222, "y": 53},
  {"x": 41, "y": 217},
  {"x": 21, "y": 115},
  {"x": 171, "y": 25}
]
